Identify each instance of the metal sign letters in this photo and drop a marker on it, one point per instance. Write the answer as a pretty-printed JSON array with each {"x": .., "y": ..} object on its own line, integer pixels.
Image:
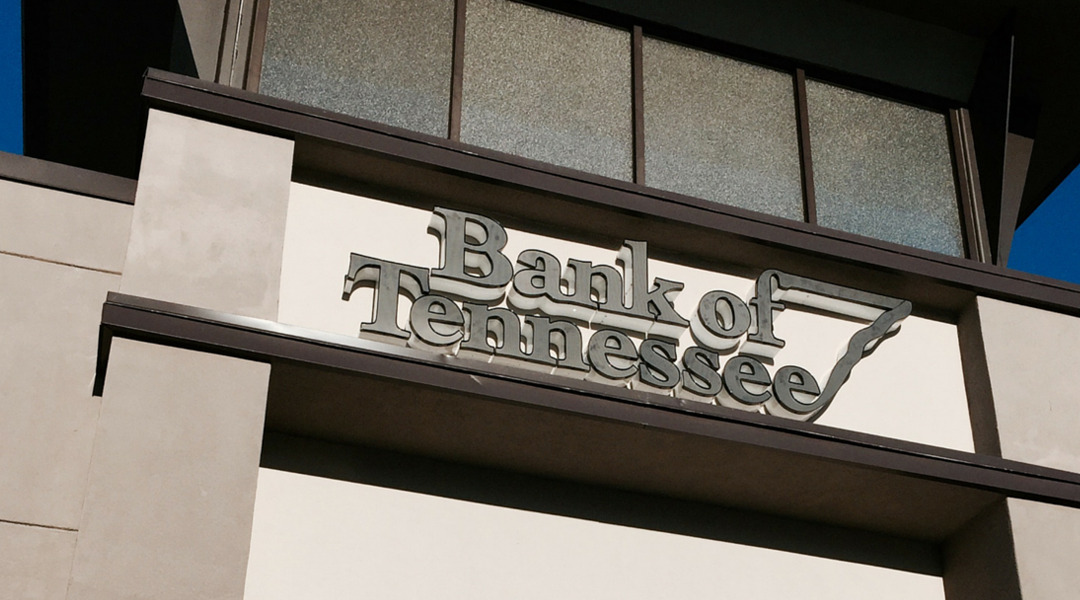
[{"x": 456, "y": 310}]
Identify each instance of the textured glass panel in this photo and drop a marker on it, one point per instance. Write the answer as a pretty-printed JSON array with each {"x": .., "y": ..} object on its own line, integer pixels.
[
  {"x": 720, "y": 129},
  {"x": 548, "y": 87},
  {"x": 883, "y": 169},
  {"x": 383, "y": 60}
]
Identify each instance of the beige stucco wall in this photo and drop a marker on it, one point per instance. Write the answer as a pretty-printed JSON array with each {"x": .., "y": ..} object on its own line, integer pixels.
[
  {"x": 57, "y": 226},
  {"x": 60, "y": 254},
  {"x": 317, "y": 538},
  {"x": 49, "y": 317},
  {"x": 34, "y": 561}
]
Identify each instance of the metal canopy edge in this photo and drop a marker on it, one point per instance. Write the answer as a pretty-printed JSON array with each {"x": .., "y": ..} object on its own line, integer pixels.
[{"x": 257, "y": 339}]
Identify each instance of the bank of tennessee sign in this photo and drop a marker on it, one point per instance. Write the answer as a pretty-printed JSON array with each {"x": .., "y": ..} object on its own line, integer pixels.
[{"x": 533, "y": 311}]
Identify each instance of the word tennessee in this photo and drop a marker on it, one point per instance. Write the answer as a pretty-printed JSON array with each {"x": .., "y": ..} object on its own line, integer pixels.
[{"x": 457, "y": 310}]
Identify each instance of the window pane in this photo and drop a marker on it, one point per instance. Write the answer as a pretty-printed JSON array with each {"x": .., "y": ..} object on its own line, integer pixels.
[
  {"x": 720, "y": 129},
  {"x": 383, "y": 60},
  {"x": 883, "y": 169},
  {"x": 548, "y": 87}
]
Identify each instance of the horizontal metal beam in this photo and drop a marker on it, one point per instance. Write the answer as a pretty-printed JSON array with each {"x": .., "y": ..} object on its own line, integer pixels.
[
  {"x": 65, "y": 178},
  {"x": 256, "y": 339}
]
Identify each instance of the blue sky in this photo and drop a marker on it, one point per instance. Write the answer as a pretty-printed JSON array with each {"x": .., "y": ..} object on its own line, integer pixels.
[
  {"x": 1046, "y": 244},
  {"x": 10, "y": 77}
]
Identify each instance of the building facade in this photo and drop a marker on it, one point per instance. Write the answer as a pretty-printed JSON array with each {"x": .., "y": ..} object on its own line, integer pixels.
[{"x": 481, "y": 299}]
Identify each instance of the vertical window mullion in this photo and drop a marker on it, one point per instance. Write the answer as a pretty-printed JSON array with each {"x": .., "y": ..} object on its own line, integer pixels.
[
  {"x": 638, "y": 103},
  {"x": 457, "y": 70},
  {"x": 806, "y": 157},
  {"x": 253, "y": 68},
  {"x": 974, "y": 244}
]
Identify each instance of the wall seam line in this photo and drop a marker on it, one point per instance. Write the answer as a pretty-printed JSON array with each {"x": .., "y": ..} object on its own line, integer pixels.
[
  {"x": 61, "y": 263},
  {"x": 39, "y": 525}
]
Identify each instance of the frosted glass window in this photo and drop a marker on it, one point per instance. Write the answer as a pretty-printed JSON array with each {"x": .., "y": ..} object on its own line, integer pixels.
[
  {"x": 721, "y": 129},
  {"x": 384, "y": 60},
  {"x": 547, "y": 86},
  {"x": 883, "y": 169}
]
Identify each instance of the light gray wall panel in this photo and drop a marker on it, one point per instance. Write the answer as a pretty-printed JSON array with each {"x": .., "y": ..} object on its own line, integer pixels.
[
  {"x": 1031, "y": 357},
  {"x": 63, "y": 227},
  {"x": 34, "y": 562},
  {"x": 1047, "y": 540},
  {"x": 171, "y": 488},
  {"x": 49, "y": 317},
  {"x": 209, "y": 218}
]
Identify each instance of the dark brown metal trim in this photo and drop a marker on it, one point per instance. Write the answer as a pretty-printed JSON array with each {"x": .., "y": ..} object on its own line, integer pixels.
[
  {"x": 253, "y": 68},
  {"x": 802, "y": 116},
  {"x": 224, "y": 37},
  {"x": 637, "y": 80},
  {"x": 43, "y": 173},
  {"x": 965, "y": 201},
  {"x": 457, "y": 71},
  {"x": 863, "y": 83},
  {"x": 257, "y": 339},
  {"x": 939, "y": 280},
  {"x": 971, "y": 173}
]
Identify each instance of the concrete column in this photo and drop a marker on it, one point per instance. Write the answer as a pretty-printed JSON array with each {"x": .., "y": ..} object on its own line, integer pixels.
[
  {"x": 171, "y": 484},
  {"x": 1031, "y": 360},
  {"x": 1027, "y": 393},
  {"x": 1047, "y": 541},
  {"x": 172, "y": 481},
  {"x": 209, "y": 221}
]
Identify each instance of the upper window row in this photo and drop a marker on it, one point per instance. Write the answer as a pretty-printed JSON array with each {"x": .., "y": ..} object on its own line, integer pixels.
[{"x": 559, "y": 89}]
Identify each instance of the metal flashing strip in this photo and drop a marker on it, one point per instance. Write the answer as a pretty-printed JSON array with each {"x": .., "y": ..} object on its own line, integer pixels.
[
  {"x": 257, "y": 339},
  {"x": 939, "y": 285},
  {"x": 65, "y": 178}
]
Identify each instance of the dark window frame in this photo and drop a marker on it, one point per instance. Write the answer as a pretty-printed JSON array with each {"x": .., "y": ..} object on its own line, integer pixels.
[{"x": 965, "y": 171}]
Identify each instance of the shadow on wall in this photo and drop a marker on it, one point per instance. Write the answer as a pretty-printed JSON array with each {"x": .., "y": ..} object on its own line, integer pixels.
[{"x": 594, "y": 503}]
